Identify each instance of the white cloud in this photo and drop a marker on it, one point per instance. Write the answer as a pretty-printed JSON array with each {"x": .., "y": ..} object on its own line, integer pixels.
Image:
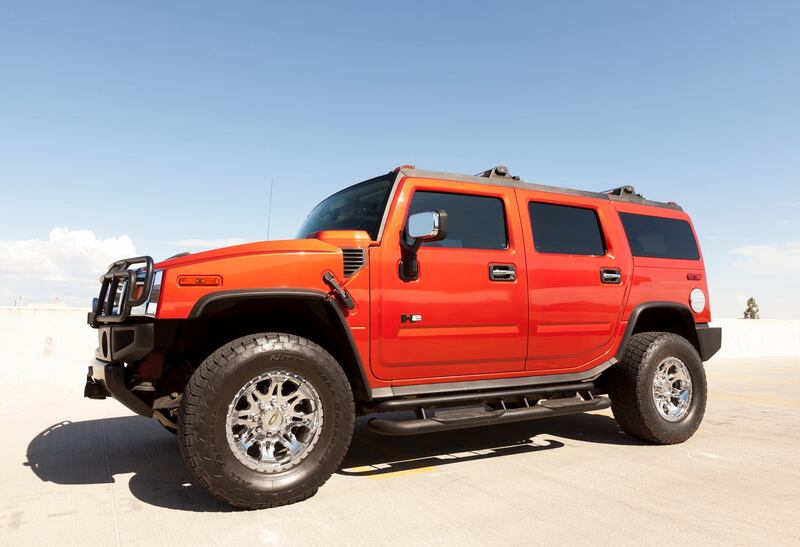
[
  {"x": 208, "y": 243},
  {"x": 772, "y": 260},
  {"x": 768, "y": 273},
  {"x": 66, "y": 265}
]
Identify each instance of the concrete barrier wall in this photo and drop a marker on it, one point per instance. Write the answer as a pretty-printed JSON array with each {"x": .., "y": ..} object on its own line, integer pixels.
[
  {"x": 60, "y": 344},
  {"x": 758, "y": 338},
  {"x": 56, "y": 342}
]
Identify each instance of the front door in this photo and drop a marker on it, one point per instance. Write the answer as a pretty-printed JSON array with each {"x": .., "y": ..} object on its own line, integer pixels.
[{"x": 466, "y": 314}]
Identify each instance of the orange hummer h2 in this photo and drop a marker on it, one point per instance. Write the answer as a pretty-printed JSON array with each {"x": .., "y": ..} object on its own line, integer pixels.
[{"x": 463, "y": 300}]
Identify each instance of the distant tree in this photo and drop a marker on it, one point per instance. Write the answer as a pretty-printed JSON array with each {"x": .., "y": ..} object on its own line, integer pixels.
[{"x": 752, "y": 309}]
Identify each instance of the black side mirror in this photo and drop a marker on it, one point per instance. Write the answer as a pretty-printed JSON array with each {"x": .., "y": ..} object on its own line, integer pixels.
[{"x": 422, "y": 228}]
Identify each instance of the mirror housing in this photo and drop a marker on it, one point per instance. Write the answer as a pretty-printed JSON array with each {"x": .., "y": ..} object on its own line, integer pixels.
[{"x": 424, "y": 227}]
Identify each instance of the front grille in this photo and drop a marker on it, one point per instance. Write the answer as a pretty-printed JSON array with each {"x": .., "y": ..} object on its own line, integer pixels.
[{"x": 353, "y": 260}]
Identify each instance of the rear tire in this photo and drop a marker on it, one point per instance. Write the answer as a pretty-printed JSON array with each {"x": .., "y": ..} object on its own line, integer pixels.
[
  {"x": 658, "y": 392},
  {"x": 266, "y": 420}
]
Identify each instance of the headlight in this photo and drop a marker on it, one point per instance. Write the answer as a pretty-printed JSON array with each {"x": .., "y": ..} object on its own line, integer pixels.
[
  {"x": 697, "y": 300},
  {"x": 149, "y": 307}
]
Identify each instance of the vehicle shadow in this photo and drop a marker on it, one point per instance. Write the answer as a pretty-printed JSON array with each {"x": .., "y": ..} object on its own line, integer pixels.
[
  {"x": 97, "y": 451},
  {"x": 374, "y": 454}
]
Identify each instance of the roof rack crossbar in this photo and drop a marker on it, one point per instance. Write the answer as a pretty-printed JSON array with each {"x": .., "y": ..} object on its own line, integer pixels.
[{"x": 626, "y": 190}]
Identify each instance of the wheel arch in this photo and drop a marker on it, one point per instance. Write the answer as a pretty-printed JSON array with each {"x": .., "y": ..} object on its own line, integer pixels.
[
  {"x": 219, "y": 317},
  {"x": 658, "y": 316}
]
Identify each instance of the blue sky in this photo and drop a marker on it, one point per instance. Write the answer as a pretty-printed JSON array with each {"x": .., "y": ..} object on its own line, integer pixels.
[{"x": 164, "y": 122}]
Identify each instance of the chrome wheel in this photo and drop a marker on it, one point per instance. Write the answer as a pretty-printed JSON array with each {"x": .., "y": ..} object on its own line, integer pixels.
[
  {"x": 274, "y": 421},
  {"x": 672, "y": 389}
]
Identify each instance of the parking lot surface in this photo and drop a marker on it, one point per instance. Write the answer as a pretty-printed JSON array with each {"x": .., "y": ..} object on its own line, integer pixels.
[{"x": 75, "y": 471}]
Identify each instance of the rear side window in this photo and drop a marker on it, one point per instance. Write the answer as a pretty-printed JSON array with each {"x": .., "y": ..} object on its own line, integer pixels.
[
  {"x": 659, "y": 237},
  {"x": 562, "y": 229},
  {"x": 473, "y": 222}
]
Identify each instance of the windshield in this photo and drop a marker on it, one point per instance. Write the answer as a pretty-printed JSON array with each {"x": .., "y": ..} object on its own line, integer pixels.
[{"x": 358, "y": 207}]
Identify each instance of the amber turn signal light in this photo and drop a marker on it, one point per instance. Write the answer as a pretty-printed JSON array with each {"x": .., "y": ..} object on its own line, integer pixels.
[{"x": 199, "y": 280}]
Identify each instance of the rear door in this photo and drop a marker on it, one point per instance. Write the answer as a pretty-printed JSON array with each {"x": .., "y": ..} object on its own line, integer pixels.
[
  {"x": 466, "y": 314},
  {"x": 578, "y": 274}
]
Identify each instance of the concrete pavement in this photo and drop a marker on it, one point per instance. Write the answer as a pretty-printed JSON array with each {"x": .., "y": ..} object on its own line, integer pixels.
[{"x": 75, "y": 472}]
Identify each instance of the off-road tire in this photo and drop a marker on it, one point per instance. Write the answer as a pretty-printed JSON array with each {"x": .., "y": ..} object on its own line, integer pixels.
[
  {"x": 630, "y": 386},
  {"x": 212, "y": 387}
]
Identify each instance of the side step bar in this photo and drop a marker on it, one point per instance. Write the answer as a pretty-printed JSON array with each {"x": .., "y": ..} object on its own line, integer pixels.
[
  {"x": 467, "y": 418},
  {"x": 478, "y": 396}
]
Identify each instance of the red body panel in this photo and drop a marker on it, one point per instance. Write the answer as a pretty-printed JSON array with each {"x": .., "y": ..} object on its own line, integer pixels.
[
  {"x": 573, "y": 316},
  {"x": 659, "y": 279},
  {"x": 557, "y": 317},
  {"x": 470, "y": 325},
  {"x": 272, "y": 264}
]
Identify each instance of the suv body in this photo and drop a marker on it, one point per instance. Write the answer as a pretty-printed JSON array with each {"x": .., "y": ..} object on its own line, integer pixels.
[{"x": 513, "y": 301}]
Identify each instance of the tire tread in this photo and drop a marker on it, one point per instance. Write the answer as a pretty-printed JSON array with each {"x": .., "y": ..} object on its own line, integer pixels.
[
  {"x": 195, "y": 413},
  {"x": 631, "y": 391}
]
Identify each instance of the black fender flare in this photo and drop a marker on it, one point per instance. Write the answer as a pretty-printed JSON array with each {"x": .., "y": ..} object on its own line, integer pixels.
[
  {"x": 236, "y": 295},
  {"x": 633, "y": 319}
]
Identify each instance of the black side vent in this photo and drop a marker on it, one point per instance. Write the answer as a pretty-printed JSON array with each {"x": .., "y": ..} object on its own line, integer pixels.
[{"x": 353, "y": 260}]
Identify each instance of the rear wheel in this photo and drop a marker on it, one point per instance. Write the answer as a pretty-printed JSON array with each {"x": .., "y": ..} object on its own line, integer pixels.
[
  {"x": 266, "y": 420},
  {"x": 658, "y": 391}
]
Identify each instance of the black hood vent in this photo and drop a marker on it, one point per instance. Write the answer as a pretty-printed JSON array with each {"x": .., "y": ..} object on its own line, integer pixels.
[{"x": 353, "y": 260}]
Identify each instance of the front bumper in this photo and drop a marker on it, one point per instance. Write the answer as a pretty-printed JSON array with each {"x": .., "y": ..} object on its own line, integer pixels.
[
  {"x": 116, "y": 345},
  {"x": 710, "y": 340},
  {"x": 108, "y": 379},
  {"x": 125, "y": 343}
]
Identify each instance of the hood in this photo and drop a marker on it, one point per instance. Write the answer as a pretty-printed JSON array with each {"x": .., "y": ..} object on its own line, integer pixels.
[
  {"x": 326, "y": 241},
  {"x": 288, "y": 246}
]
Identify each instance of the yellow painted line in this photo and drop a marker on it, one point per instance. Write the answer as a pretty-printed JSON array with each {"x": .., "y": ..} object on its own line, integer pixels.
[
  {"x": 359, "y": 469},
  {"x": 763, "y": 399},
  {"x": 394, "y": 474},
  {"x": 794, "y": 370},
  {"x": 761, "y": 378}
]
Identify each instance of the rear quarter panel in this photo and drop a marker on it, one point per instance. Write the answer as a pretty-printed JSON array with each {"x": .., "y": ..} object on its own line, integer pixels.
[{"x": 662, "y": 279}]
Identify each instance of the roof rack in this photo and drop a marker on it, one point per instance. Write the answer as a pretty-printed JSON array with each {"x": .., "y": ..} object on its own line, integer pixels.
[
  {"x": 498, "y": 172},
  {"x": 499, "y": 175},
  {"x": 626, "y": 190}
]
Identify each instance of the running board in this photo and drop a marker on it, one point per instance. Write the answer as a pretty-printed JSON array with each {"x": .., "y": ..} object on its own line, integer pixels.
[
  {"x": 462, "y": 398},
  {"x": 472, "y": 417}
]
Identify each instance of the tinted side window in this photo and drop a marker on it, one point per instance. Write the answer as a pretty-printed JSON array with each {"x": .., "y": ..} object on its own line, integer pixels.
[
  {"x": 473, "y": 222},
  {"x": 563, "y": 229},
  {"x": 659, "y": 237}
]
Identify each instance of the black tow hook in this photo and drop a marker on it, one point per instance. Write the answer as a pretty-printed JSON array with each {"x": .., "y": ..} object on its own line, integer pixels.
[{"x": 94, "y": 389}]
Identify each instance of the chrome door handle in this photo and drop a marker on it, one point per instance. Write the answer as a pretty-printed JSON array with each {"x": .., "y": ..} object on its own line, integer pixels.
[
  {"x": 612, "y": 276},
  {"x": 502, "y": 272}
]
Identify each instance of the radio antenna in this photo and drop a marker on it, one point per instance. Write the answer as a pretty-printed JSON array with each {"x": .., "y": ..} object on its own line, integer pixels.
[{"x": 269, "y": 205}]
